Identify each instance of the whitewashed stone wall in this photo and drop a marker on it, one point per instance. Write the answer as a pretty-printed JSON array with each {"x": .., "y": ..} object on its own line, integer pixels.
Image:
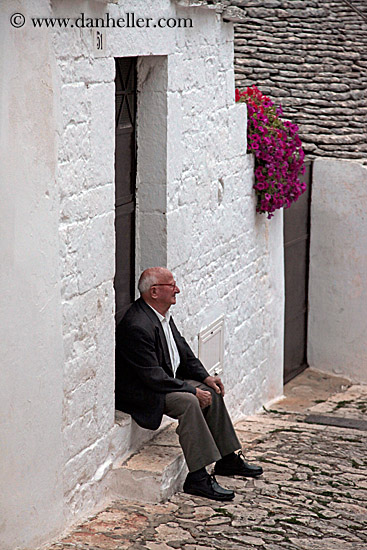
[
  {"x": 227, "y": 260},
  {"x": 86, "y": 184},
  {"x": 338, "y": 265},
  {"x": 197, "y": 194},
  {"x": 233, "y": 267}
]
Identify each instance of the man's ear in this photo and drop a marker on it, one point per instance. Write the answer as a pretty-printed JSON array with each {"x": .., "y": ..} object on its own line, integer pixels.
[{"x": 153, "y": 292}]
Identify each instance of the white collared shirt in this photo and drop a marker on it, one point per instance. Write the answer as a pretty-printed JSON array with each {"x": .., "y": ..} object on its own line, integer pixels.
[{"x": 172, "y": 346}]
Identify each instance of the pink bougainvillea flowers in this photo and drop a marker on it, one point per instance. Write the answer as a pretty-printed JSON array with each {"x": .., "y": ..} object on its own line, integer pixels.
[{"x": 279, "y": 157}]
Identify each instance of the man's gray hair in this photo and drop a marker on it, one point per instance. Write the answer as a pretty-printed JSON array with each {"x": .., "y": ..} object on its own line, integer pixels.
[{"x": 150, "y": 277}]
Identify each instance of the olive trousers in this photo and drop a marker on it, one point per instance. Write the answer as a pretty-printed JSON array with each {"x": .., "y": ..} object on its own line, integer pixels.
[{"x": 205, "y": 435}]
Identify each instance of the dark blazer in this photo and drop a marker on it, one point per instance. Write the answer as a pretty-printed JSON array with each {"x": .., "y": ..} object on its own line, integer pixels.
[{"x": 143, "y": 367}]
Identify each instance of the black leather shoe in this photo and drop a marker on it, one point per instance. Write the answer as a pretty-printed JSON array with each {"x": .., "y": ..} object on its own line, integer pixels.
[
  {"x": 236, "y": 466},
  {"x": 209, "y": 488}
]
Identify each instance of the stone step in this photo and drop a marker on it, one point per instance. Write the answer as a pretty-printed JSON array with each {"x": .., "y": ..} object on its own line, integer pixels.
[
  {"x": 157, "y": 469},
  {"x": 152, "y": 474}
]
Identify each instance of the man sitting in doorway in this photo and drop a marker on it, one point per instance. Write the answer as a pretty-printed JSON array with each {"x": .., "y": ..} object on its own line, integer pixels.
[{"x": 157, "y": 373}]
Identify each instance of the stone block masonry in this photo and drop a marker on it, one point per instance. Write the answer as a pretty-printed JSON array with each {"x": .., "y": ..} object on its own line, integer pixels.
[
  {"x": 312, "y": 58},
  {"x": 88, "y": 264}
]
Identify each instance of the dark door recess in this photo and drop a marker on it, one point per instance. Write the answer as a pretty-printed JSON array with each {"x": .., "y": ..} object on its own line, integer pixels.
[
  {"x": 296, "y": 258},
  {"x": 125, "y": 175}
]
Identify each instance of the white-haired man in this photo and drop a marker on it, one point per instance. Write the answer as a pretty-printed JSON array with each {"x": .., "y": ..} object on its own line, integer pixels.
[{"x": 157, "y": 373}]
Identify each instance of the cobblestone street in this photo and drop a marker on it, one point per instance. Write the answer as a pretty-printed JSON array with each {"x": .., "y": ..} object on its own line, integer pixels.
[{"x": 312, "y": 495}]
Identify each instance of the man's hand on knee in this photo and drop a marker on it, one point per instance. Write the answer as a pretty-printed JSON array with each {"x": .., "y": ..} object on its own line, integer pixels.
[
  {"x": 204, "y": 397},
  {"x": 216, "y": 383}
]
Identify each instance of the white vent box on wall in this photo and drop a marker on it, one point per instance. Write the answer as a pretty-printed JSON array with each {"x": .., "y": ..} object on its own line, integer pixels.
[{"x": 211, "y": 347}]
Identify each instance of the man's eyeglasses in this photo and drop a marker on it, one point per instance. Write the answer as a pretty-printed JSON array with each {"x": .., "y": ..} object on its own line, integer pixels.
[{"x": 172, "y": 285}]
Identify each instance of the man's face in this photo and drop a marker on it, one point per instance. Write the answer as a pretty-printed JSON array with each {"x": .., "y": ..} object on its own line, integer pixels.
[{"x": 165, "y": 290}]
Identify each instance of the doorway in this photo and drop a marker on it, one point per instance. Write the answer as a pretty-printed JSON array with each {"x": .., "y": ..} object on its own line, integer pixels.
[
  {"x": 296, "y": 268},
  {"x": 125, "y": 182}
]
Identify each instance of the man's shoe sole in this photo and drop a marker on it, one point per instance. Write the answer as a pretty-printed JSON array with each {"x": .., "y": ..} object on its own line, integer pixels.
[
  {"x": 231, "y": 474},
  {"x": 211, "y": 497}
]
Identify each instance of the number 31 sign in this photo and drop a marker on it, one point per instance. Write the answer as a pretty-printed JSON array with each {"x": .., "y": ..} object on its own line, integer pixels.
[{"x": 99, "y": 42}]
